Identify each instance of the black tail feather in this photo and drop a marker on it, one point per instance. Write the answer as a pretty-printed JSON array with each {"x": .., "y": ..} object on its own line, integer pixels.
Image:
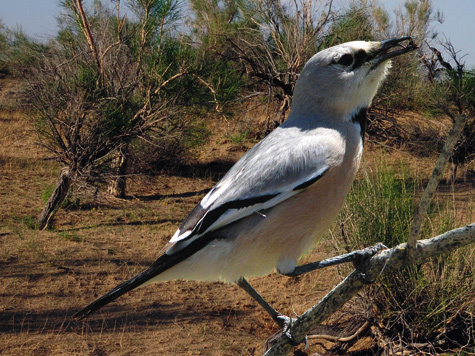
[
  {"x": 155, "y": 269},
  {"x": 163, "y": 263}
]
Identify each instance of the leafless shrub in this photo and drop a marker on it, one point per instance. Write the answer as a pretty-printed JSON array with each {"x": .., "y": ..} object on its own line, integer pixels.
[
  {"x": 276, "y": 41},
  {"x": 100, "y": 85},
  {"x": 454, "y": 95}
]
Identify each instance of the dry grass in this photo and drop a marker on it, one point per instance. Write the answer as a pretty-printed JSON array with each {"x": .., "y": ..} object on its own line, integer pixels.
[{"x": 46, "y": 276}]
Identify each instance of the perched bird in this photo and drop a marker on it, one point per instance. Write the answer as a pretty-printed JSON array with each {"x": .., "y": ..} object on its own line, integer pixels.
[{"x": 281, "y": 196}]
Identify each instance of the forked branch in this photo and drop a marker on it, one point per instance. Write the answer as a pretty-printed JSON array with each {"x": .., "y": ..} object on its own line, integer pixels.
[{"x": 384, "y": 262}]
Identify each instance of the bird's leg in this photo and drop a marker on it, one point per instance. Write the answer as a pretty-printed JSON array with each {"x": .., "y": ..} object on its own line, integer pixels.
[
  {"x": 357, "y": 257},
  {"x": 282, "y": 320}
]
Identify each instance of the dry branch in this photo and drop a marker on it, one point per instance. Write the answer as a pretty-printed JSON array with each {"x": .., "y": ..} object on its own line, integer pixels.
[
  {"x": 87, "y": 33},
  {"x": 385, "y": 262},
  {"x": 434, "y": 180},
  {"x": 57, "y": 197},
  {"x": 348, "y": 338}
]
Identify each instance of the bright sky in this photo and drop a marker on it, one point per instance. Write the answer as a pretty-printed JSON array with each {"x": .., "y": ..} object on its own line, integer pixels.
[{"x": 38, "y": 19}]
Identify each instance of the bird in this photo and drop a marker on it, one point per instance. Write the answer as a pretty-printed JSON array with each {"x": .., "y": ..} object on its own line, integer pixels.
[{"x": 274, "y": 203}]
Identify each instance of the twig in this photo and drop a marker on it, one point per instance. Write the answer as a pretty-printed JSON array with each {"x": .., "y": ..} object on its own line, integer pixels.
[
  {"x": 88, "y": 35},
  {"x": 348, "y": 338},
  {"x": 434, "y": 180}
]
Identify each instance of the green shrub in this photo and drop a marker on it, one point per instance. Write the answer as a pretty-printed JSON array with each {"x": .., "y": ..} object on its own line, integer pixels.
[{"x": 196, "y": 133}]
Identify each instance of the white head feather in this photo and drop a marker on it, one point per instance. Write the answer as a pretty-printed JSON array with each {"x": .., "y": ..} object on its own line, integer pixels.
[{"x": 339, "y": 81}]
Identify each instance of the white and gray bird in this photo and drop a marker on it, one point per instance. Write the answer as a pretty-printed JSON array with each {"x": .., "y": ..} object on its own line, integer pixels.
[{"x": 281, "y": 196}]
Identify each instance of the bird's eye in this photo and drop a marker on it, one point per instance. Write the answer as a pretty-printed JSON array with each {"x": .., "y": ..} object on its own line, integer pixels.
[{"x": 346, "y": 60}]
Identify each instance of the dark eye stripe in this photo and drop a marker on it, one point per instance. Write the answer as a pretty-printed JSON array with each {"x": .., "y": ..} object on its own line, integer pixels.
[{"x": 359, "y": 58}]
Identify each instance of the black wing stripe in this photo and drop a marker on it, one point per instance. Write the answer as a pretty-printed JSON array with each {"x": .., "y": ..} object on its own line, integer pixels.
[
  {"x": 214, "y": 214},
  {"x": 311, "y": 181}
]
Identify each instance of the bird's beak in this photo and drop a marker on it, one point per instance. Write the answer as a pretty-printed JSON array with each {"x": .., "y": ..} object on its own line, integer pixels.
[{"x": 389, "y": 49}]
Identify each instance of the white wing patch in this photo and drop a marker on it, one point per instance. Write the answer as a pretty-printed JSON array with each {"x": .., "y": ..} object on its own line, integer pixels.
[{"x": 180, "y": 236}]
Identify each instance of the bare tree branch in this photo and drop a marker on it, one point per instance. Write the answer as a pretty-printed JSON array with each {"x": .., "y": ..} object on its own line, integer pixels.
[
  {"x": 87, "y": 34},
  {"x": 385, "y": 262}
]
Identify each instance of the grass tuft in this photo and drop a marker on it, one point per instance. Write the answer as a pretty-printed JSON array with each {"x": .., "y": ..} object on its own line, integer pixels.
[{"x": 428, "y": 302}]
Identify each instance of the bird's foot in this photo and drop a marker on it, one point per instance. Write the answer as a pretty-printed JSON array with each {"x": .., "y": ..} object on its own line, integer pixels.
[
  {"x": 363, "y": 256},
  {"x": 286, "y": 323}
]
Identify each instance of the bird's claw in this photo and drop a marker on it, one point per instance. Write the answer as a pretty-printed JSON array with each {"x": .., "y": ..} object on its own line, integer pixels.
[
  {"x": 364, "y": 255},
  {"x": 285, "y": 323}
]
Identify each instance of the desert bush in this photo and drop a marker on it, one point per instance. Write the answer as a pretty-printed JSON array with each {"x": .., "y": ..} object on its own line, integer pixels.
[
  {"x": 431, "y": 302},
  {"x": 171, "y": 154},
  {"x": 100, "y": 85},
  {"x": 18, "y": 52},
  {"x": 405, "y": 87},
  {"x": 354, "y": 23},
  {"x": 408, "y": 86},
  {"x": 267, "y": 41},
  {"x": 4, "y": 46},
  {"x": 453, "y": 94}
]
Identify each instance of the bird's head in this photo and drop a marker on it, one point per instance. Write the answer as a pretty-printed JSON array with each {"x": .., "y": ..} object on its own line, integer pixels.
[{"x": 343, "y": 79}]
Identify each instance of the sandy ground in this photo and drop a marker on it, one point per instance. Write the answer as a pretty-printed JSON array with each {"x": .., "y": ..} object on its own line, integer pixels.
[{"x": 46, "y": 276}]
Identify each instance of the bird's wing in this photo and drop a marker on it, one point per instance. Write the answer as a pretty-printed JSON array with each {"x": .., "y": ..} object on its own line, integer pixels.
[{"x": 267, "y": 175}]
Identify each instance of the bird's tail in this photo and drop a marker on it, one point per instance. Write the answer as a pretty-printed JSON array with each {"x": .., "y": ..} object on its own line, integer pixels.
[
  {"x": 164, "y": 262},
  {"x": 160, "y": 265}
]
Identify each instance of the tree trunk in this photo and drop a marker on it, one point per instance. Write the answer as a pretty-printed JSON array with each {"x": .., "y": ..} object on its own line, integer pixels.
[
  {"x": 118, "y": 184},
  {"x": 59, "y": 194}
]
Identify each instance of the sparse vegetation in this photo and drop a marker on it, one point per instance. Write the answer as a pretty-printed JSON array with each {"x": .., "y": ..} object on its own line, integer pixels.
[
  {"x": 454, "y": 95},
  {"x": 424, "y": 304},
  {"x": 158, "y": 100}
]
